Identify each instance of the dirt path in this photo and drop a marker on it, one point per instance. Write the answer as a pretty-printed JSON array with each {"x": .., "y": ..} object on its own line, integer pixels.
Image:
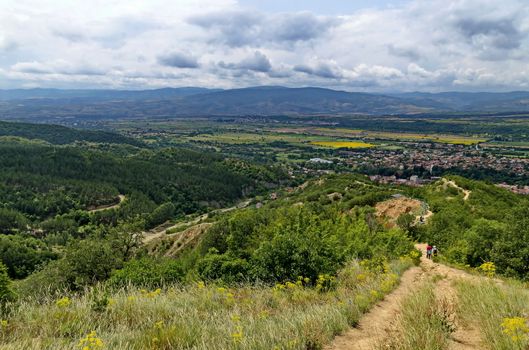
[
  {"x": 107, "y": 207},
  {"x": 465, "y": 337},
  {"x": 377, "y": 325},
  {"x": 466, "y": 193}
]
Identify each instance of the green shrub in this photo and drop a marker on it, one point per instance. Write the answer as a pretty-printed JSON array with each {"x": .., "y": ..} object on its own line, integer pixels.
[
  {"x": 224, "y": 267},
  {"x": 148, "y": 272}
]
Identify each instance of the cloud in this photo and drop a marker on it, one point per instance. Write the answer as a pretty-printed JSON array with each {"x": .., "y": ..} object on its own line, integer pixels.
[
  {"x": 492, "y": 39},
  {"x": 31, "y": 67},
  {"x": 57, "y": 67},
  {"x": 178, "y": 60},
  {"x": 405, "y": 52},
  {"x": 415, "y": 45},
  {"x": 320, "y": 69},
  {"x": 500, "y": 34},
  {"x": 7, "y": 44},
  {"x": 248, "y": 28},
  {"x": 257, "y": 63}
]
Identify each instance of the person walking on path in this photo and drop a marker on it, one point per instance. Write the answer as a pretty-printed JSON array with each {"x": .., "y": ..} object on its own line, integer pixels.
[
  {"x": 429, "y": 251},
  {"x": 434, "y": 251}
]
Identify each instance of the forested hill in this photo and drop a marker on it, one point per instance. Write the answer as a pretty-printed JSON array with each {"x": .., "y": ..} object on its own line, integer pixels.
[{"x": 60, "y": 135}]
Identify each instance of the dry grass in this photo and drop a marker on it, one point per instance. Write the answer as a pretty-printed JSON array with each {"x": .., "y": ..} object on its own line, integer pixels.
[
  {"x": 500, "y": 311},
  {"x": 200, "y": 316},
  {"x": 424, "y": 322}
]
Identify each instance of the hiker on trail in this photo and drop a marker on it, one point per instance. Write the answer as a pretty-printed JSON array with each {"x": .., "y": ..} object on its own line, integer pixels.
[
  {"x": 429, "y": 251},
  {"x": 434, "y": 250}
]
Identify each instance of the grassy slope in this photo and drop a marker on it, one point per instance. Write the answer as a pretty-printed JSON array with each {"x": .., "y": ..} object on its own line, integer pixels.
[
  {"x": 287, "y": 316},
  {"x": 500, "y": 309}
]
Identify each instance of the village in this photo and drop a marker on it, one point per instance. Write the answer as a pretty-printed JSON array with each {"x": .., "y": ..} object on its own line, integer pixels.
[{"x": 430, "y": 156}]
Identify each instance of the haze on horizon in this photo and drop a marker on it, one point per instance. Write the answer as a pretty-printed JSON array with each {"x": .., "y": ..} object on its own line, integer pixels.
[{"x": 373, "y": 46}]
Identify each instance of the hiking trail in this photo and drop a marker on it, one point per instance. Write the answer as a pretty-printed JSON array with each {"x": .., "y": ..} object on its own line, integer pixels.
[
  {"x": 377, "y": 326},
  {"x": 451, "y": 183}
]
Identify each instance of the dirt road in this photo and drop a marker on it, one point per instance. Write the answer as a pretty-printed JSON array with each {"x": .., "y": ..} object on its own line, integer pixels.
[
  {"x": 107, "y": 207},
  {"x": 161, "y": 231}
]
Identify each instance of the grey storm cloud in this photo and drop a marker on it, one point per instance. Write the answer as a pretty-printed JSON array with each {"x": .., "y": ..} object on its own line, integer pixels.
[
  {"x": 493, "y": 38},
  {"x": 241, "y": 28},
  {"x": 322, "y": 70},
  {"x": 404, "y": 52},
  {"x": 178, "y": 60},
  {"x": 257, "y": 63}
]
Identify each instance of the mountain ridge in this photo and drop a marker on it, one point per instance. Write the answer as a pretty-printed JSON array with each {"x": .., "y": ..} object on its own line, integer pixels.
[{"x": 253, "y": 101}]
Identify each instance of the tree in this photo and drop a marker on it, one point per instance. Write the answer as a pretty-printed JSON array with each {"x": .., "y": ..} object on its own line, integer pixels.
[
  {"x": 126, "y": 238},
  {"x": 405, "y": 221},
  {"x": 89, "y": 261}
]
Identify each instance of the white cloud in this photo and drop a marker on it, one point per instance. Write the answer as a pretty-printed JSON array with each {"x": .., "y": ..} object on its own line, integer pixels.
[{"x": 421, "y": 45}]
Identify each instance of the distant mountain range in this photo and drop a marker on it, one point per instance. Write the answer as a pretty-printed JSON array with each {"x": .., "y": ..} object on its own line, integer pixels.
[{"x": 253, "y": 101}]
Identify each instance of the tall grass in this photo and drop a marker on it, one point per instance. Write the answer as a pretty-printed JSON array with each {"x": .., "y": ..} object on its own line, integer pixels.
[
  {"x": 501, "y": 311},
  {"x": 202, "y": 316},
  {"x": 424, "y": 322}
]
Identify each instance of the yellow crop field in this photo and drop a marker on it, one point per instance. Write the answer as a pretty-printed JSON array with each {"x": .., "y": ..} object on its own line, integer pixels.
[{"x": 342, "y": 144}]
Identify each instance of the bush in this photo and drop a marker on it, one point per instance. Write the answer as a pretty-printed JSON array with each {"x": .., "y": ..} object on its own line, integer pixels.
[
  {"x": 84, "y": 263},
  {"x": 89, "y": 261},
  {"x": 148, "y": 272},
  {"x": 223, "y": 267}
]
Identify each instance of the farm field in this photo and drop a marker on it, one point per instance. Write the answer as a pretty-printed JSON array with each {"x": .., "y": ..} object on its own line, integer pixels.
[
  {"x": 343, "y": 144},
  {"x": 379, "y": 135}
]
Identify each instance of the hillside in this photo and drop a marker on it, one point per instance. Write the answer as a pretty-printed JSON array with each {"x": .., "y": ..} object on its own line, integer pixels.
[{"x": 310, "y": 269}]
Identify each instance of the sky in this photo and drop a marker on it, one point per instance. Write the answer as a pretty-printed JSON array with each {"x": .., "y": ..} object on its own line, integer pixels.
[{"x": 371, "y": 46}]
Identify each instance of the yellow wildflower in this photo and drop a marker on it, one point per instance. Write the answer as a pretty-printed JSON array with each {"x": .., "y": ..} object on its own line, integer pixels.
[
  {"x": 63, "y": 302},
  {"x": 201, "y": 285},
  {"x": 488, "y": 268},
  {"x": 516, "y": 328},
  {"x": 152, "y": 294},
  {"x": 237, "y": 336},
  {"x": 91, "y": 341}
]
